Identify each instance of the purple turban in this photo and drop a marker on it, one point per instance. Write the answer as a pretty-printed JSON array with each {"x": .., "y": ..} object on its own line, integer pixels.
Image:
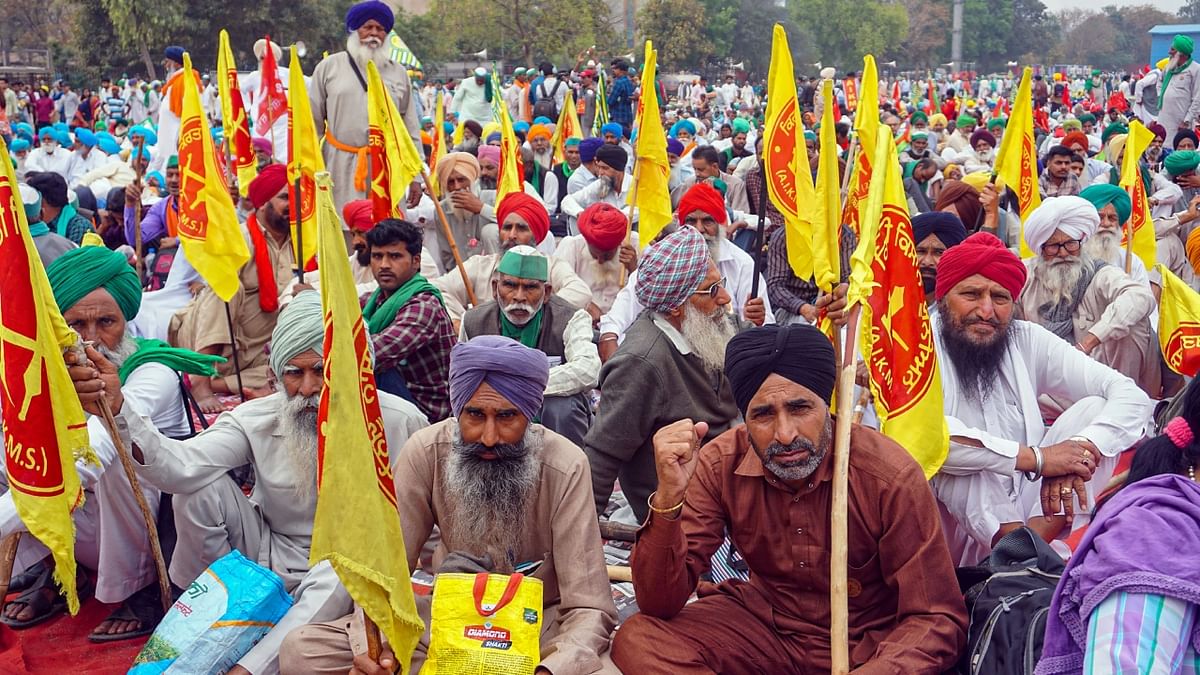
[
  {"x": 517, "y": 372},
  {"x": 674, "y": 147},
  {"x": 365, "y": 11},
  {"x": 588, "y": 148},
  {"x": 671, "y": 270}
]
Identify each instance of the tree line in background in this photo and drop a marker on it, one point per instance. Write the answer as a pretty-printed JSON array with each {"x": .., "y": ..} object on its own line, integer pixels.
[{"x": 92, "y": 38}]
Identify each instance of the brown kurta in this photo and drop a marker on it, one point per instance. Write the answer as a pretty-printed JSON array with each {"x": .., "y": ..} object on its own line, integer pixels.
[{"x": 906, "y": 613}]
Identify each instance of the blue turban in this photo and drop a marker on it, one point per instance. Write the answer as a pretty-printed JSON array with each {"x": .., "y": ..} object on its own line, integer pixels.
[
  {"x": 63, "y": 138},
  {"x": 175, "y": 53},
  {"x": 19, "y": 144},
  {"x": 108, "y": 145},
  {"x": 365, "y": 11},
  {"x": 299, "y": 328},
  {"x": 494, "y": 136},
  {"x": 23, "y": 129},
  {"x": 612, "y": 128},
  {"x": 144, "y": 154},
  {"x": 682, "y": 125},
  {"x": 47, "y": 132},
  {"x": 516, "y": 372},
  {"x": 61, "y": 126},
  {"x": 543, "y": 120},
  {"x": 588, "y": 148},
  {"x": 448, "y": 127},
  {"x": 82, "y": 270},
  {"x": 674, "y": 146},
  {"x": 87, "y": 138},
  {"x": 944, "y": 225},
  {"x": 147, "y": 132},
  {"x": 521, "y": 127}
]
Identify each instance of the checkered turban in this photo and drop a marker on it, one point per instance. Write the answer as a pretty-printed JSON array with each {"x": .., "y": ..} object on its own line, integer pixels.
[{"x": 671, "y": 270}]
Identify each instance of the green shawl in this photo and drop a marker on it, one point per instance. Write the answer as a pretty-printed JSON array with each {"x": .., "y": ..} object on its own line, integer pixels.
[
  {"x": 157, "y": 351},
  {"x": 64, "y": 218},
  {"x": 527, "y": 334},
  {"x": 1175, "y": 71},
  {"x": 380, "y": 316}
]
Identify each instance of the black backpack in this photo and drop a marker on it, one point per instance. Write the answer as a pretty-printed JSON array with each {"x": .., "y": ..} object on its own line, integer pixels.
[
  {"x": 547, "y": 104},
  {"x": 1008, "y": 599}
]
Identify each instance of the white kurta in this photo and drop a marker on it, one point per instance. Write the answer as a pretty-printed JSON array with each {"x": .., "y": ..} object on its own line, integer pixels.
[
  {"x": 277, "y": 133},
  {"x": 1179, "y": 101},
  {"x": 573, "y": 250},
  {"x": 59, "y": 162}
]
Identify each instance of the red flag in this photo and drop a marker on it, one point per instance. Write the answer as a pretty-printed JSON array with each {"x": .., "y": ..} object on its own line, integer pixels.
[
  {"x": 273, "y": 101},
  {"x": 1066, "y": 97},
  {"x": 896, "y": 94}
]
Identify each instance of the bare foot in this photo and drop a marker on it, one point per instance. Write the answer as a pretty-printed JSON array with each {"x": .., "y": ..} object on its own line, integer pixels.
[
  {"x": 202, "y": 391},
  {"x": 251, "y": 394},
  {"x": 210, "y": 405}
]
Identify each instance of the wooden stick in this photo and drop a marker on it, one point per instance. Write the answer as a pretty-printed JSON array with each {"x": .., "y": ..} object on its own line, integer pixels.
[
  {"x": 760, "y": 233},
  {"x": 300, "y": 261},
  {"x": 860, "y": 406},
  {"x": 8, "y": 555},
  {"x": 620, "y": 573},
  {"x": 618, "y": 531},
  {"x": 839, "y": 621},
  {"x": 851, "y": 162},
  {"x": 374, "y": 642},
  {"x": 233, "y": 348},
  {"x": 139, "y": 262},
  {"x": 637, "y": 170},
  {"x": 458, "y": 261}
]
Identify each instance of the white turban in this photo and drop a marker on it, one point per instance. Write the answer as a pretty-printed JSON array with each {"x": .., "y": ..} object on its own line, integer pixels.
[{"x": 1075, "y": 216}]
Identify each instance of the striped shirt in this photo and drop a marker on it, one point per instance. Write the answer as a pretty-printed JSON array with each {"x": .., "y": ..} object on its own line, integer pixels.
[{"x": 1141, "y": 633}]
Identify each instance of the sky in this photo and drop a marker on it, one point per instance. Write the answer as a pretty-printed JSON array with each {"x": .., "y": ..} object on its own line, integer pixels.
[{"x": 1165, "y": 5}]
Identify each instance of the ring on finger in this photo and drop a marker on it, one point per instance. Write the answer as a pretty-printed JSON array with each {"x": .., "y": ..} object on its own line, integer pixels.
[{"x": 1065, "y": 491}]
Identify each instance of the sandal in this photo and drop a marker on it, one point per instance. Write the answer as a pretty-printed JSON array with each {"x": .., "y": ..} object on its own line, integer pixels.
[
  {"x": 144, "y": 607},
  {"x": 45, "y": 605},
  {"x": 25, "y": 580}
]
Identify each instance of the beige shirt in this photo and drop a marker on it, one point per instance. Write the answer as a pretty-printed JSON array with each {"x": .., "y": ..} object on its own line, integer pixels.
[
  {"x": 479, "y": 269},
  {"x": 561, "y": 526}
]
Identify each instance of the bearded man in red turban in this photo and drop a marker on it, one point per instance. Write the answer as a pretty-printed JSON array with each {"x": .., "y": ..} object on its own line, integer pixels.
[{"x": 598, "y": 253}]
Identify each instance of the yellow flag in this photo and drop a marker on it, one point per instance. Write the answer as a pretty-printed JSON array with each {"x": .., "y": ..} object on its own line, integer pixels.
[
  {"x": 784, "y": 155},
  {"x": 233, "y": 115},
  {"x": 458, "y": 133},
  {"x": 208, "y": 224},
  {"x": 866, "y": 125},
  {"x": 1016, "y": 160},
  {"x": 437, "y": 149},
  {"x": 650, "y": 194},
  {"x": 567, "y": 127},
  {"x": 395, "y": 161},
  {"x": 511, "y": 175},
  {"x": 1140, "y": 222},
  {"x": 896, "y": 338},
  {"x": 1179, "y": 324},
  {"x": 356, "y": 527},
  {"x": 828, "y": 202},
  {"x": 304, "y": 162},
  {"x": 44, "y": 427}
]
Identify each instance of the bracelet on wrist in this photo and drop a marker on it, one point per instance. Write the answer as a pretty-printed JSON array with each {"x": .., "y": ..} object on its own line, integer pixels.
[
  {"x": 1038, "y": 460},
  {"x": 666, "y": 512}
]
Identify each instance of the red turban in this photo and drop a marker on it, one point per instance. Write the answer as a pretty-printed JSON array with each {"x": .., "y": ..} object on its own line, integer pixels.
[
  {"x": 603, "y": 226},
  {"x": 359, "y": 215},
  {"x": 267, "y": 184},
  {"x": 1075, "y": 138},
  {"x": 529, "y": 209},
  {"x": 980, "y": 253},
  {"x": 702, "y": 197}
]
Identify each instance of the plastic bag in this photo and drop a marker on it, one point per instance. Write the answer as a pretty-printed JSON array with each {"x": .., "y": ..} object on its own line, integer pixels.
[{"x": 471, "y": 636}]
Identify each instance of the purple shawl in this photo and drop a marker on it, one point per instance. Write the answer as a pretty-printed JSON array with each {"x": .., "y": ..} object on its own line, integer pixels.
[{"x": 1144, "y": 541}]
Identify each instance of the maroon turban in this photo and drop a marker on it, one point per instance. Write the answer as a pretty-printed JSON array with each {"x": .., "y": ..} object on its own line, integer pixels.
[
  {"x": 982, "y": 135},
  {"x": 980, "y": 253},
  {"x": 529, "y": 209},
  {"x": 702, "y": 197},
  {"x": 1160, "y": 132},
  {"x": 359, "y": 215},
  {"x": 964, "y": 199},
  {"x": 267, "y": 184},
  {"x": 603, "y": 226}
]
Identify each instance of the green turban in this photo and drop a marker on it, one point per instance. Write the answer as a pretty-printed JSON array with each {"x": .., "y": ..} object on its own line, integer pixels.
[
  {"x": 741, "y": 126},
  {"x": 525, "y": 262},
  {"x": 80, "y": 271},
  {"x": 1183, "y": 43},
  {"x": 1103, "y": 194},
  {"x": 919, "y": 134},
  {"x": 965, "y": 119},
  {"x": 918, "y": 117},
  {"x": 1181, "y": 161},
  {"x": 1086, "y": 118},
  {"x": 997, "y": 123},
  {"x": 1112, "y": 130},
  {"x": 810, "y": 135}
]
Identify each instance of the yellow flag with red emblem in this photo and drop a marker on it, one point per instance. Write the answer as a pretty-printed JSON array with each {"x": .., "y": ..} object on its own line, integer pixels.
[
  {"x": 304, "y": 163},
  {"x": 44, "y": 427},
  {"x": 784, "y": 156},
  {"x": 652, "y": 193},
  {"x": 394, "y": 159},
  {"x": 866, "y": 126},
  {"x": 1140, "y": 222},
  {"x": 511, "y": 174},
  {"x": 208, "y": 223},
  {"x": 233, "y": 112},
  {"x": 1016, "y": 160},
  {"x": 356, "y": 527},
  {"x": 1179, "y": 324},
  {"x": 567, "y": 127},
  {"x": 438, "y": 147},
  {"x": 896, "y": 338}
]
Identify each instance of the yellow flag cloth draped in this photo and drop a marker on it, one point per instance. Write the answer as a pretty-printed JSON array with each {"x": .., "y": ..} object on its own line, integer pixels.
[
  {"x": 304, "y": 162},
  {"x": 511, "y": 176},
  {"x": 233, "y": 114},
  {"x": 1140, "y": 222},
  {"x": 897, "y": 339},
  {"x": 44, "y": 427},
  {"x": 356, "y": 527},
  {"x": 208, "y": 224},
  {"x": 394, "y": 159},
  {"x": 826, "y": 226},
  {"x": 1016, "y": 160},
  {"x": 1179, "y": 324},
  {"x": 567, "y": 127},
  {"x": 782, "y": 150},
  {"x": 438, "y": 147},
  {"x": 866, "y": 125},
  {"x": 650, "y": 194}
]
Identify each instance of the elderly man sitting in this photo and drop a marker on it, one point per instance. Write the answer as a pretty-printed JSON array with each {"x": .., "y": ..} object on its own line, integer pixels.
[
  {"x": 98, "y": 293},
  {"x": 1114, "y": 208},
  {"x": 277, "y": 436},
  {"x": 523, "y": 309},
  {"x": 504, "y": 491},
  {"x": 757, "y": 482},
  {"x": 1003, "y": 460},
  {"x": 472, "y": 222},
  {"x": 523, "y": 221},
  {"x": 1084, "y": 300},
  {"x": 598, "y": 253}
]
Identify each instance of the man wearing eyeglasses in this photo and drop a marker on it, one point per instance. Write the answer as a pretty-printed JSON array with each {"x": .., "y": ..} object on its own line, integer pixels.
[{"x": 1091, "y": 304}]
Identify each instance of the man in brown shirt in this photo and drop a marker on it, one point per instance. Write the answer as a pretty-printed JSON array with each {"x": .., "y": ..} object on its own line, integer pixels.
[
  {"x": 498, "y": 486},
  {"x": 767, "y": 483}
]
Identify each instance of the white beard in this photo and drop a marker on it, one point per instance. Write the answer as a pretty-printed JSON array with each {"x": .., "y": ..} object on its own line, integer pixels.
[
  {"x": 707, "y": 336},
  {"x": 605, "y": 274},
  {"x": 531, "y": 310},
  {"x": 125, "y": 349},
  {"x": 299, "y": 430},
  {"x": 545, "y": 159},
  {"x": 363, "y": 52},
  {"x": 1105, "y": 245},
  {"x": 1059, "y": 278}
]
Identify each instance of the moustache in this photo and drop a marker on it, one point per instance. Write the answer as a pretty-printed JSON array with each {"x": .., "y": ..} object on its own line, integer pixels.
[
  {"x": 995, "y": 323},
  {"x": 501, "y": 450},
  {"x": 775, "y": 449}
]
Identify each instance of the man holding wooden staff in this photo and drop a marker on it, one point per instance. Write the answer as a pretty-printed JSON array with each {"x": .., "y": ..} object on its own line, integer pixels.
[{"x": 767, "y": 483}]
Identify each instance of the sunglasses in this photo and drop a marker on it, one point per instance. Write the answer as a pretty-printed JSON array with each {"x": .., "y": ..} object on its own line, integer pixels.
[{"x": 712, "y": 291}]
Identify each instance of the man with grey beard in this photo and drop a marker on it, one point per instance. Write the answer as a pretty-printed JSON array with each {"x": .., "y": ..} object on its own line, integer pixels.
[
  {"x": 1084, "y": 300},
  {"x": 768, "y": 484},
  {"x": 506, "y": 494},
  {"x": 338, "y": 91},
  {"x": 277, "y": 436}
]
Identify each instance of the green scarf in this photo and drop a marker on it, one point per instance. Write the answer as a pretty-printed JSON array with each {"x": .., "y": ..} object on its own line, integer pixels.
[
  {"x": 38, "y": 229},
  {"x": 64, "y": 217},
  {"x": 527, "y": 334},
  {"x": 380, "y": 316},
  {"x": 1114, "y": 174},
  {"x": 157, "y": 351},
  {"x": 1175, "y": 71}
]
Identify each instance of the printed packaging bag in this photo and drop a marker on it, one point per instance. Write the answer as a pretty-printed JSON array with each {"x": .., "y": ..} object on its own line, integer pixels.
[{"x": 485, "y": 624}]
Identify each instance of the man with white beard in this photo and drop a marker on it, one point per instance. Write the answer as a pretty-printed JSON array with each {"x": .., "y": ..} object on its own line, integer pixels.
[
  {"x": 611, "y": 185},
  {"x": 1114, "y": 206},
  {"x": 598, "y": 253},
  {"x": 277, "y": 436},
  {"x": 1179, "y": 92},
  {"x": 472, "y": 222},
  {"x": 502, "y": 491},
  {"x": 338, "y": 91},
  {"x": 1084, "y": 300},
  {"x": 50, "y": 156}
]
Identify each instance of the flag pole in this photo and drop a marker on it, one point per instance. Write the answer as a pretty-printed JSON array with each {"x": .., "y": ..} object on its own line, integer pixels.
[
  {"x": 233, "y": 347},
  {"x": 8, "y": 555},
  {"x": 374, "y": 642},
  {"x": 637, "y": 172},
  {"x": 839, "y": 618},
  {"x": 851, "y": 162},
  {"x": 760, "y": 235},
  {"x": 458, "y": 262},
  {"x": 300, "y": 261},
  {"x": 137, "y": 211}
]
